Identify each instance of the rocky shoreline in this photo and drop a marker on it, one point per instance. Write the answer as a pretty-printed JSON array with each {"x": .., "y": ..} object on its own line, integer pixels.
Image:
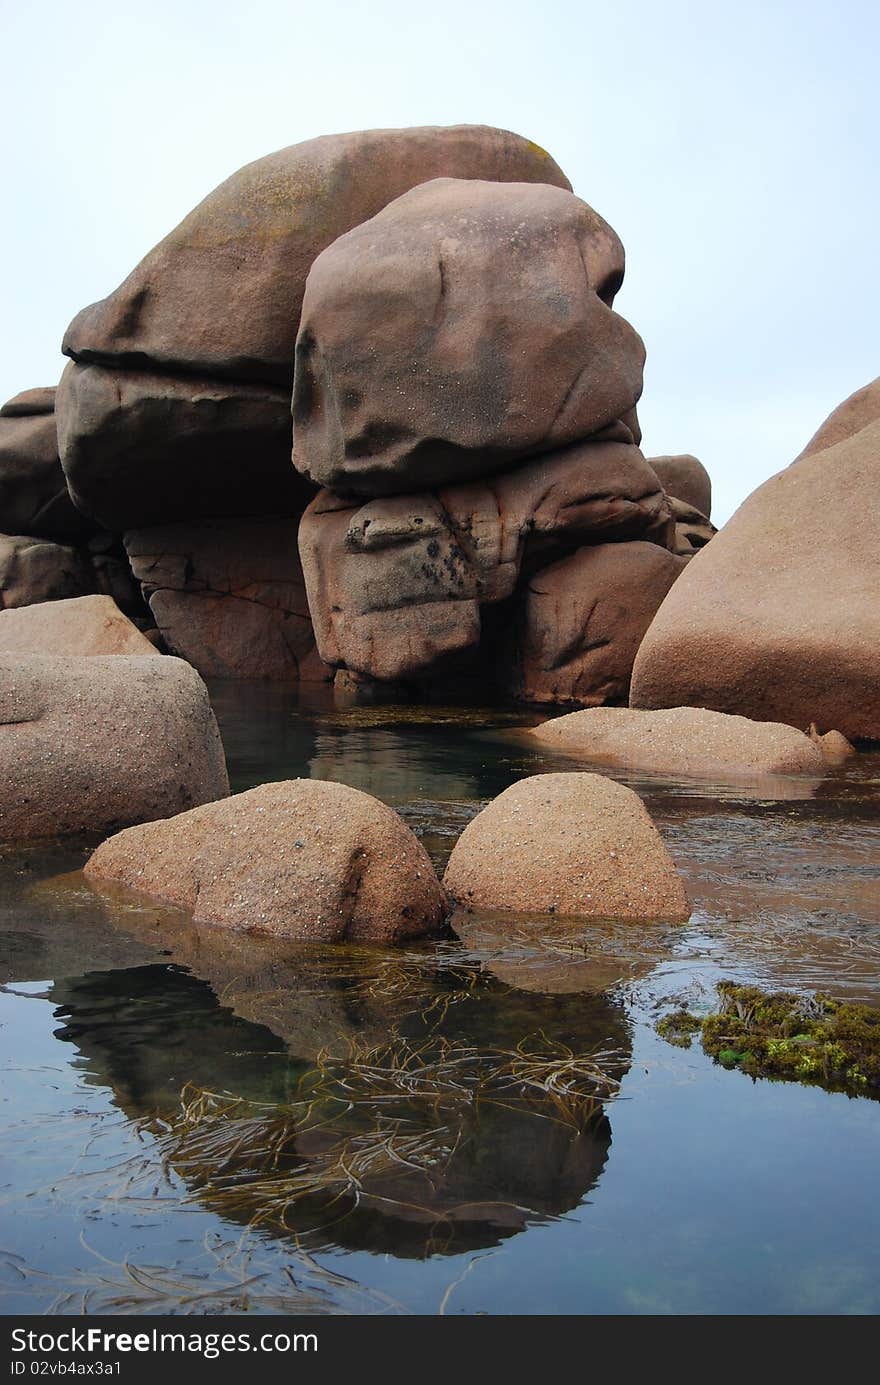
[{"x": 369, "y": 415}]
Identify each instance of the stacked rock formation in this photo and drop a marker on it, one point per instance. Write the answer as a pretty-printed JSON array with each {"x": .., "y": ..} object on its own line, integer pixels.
[
  {"x": 174, "y": 416},
  {"x": 466, "y": 395},
  {"x": 465, "y": 442},
  {"x": 779, "y": 618}
]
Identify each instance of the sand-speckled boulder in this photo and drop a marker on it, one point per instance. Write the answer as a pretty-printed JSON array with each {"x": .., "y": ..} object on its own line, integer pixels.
[
  {"x": 92, "y": 745},
  {"x": 572, "y": 844},
  {"x": 684, "y": 741},
  {"x": 855, "y": 413},
  {"x": 467, "y": 325},
  {"x": 778, "y": 618},
  {"x": 302, "y": 858},
  {"x": 84, "y": 625}
]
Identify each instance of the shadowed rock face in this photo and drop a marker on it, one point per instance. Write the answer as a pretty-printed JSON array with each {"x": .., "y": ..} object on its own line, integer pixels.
[
  {"x": 34, "y": 498},
  {"x": 49, "y": 551},
  {"x": 692, "y": 529},
  {"x": 34, "y": 570},
  {"x": 778, "y": 618},
  {"x": 580, "y": 622},
  {"x": 144, "y": 448},
  {"x": 229, "y": 596},
  {"x": 466, "y": 326},
  {"x": 396, "y": 585}
]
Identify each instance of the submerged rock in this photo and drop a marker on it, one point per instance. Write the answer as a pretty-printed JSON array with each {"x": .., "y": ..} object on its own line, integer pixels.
[
  {"x": 299, "y": 859},
  {"x": 684, "y": 740},
  {"x": 91, "y": 745},
  {"x": 835, "y": 748},
  {"x": 779, "y": 617},
  {"x": 84, "y": 625},
  {"x": 571, "y": 844},
  {"x": 466, "y": 326}
]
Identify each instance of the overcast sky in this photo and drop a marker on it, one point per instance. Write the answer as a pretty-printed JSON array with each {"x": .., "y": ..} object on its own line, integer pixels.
[{"x": 733, "y": 146}]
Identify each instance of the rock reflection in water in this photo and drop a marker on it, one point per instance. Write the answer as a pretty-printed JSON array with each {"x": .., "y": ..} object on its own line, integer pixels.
[
  {"x": 555, "y": 956},
  {"x": 478, "y": 1112}
]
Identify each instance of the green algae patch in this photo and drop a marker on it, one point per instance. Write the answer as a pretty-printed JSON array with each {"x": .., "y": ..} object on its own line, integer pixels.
[
  {"x": 679, "y": 1028},
  {"x": 797, "y": 1038}
]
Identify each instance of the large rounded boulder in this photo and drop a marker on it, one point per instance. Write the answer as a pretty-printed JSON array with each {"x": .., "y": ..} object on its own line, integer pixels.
[
  {"x": 94, "y": 744},
  {"x": 778, "y": 618},
  {"x": 466, "y": 326},
  {"x": 574, "y": 844},
  {"x": 221, "y": 294},
  {"x": 196, "y": 347},
  {"x": 303, "y": 858}
]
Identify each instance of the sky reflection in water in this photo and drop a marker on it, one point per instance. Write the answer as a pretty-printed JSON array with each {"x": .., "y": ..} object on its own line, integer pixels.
[{"x": 487, "y": 1123}]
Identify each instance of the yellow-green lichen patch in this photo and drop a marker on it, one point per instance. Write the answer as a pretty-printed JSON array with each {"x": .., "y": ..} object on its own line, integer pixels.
[{"x": 795, "y": 1037}]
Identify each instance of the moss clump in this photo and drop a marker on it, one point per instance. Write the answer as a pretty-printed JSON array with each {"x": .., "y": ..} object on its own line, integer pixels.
[
  {"x": 799, "y": 1038},
  {"x": 679, "y": 1028}
]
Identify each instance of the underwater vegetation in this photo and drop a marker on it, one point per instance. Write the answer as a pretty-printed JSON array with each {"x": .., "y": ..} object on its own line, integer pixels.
[
  {"x": 800, "y": 1038},
  {"x": 442, "y": 1135}
]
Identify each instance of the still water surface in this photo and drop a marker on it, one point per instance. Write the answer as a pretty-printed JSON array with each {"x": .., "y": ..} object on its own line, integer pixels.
[{"x": 484, "y": 1124}]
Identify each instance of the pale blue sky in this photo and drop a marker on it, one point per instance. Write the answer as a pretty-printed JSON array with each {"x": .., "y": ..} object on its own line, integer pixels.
[{"x": 733, "y": 146}]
